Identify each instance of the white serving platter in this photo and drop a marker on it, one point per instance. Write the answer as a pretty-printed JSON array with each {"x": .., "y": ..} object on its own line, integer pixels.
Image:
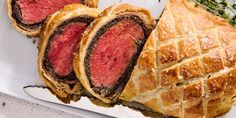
[{"x": 18, "y": 67}]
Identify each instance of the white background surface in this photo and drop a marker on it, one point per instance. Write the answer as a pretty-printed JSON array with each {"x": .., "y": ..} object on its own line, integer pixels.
[{"x": 11, "y": 107}]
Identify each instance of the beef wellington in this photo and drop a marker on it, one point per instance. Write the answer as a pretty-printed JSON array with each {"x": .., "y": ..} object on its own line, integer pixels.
[
  {"x": 109, "y": 49},
  {"x": 27, "y": 16},
  {"x": 187, "y": 68},
  {"x": 60, "y": 35}
]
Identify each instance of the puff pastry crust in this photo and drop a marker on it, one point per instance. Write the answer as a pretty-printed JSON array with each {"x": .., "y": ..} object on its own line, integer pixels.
[
  {"x": 105, "y": 17},
  {"x": 35, "y": 31},
  {"x": 187, "y": 67},
  {"x": 62, "y": 90}
]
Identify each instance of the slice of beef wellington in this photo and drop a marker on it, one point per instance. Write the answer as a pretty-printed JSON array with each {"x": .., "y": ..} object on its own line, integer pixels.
[
  {"x": 27, "y": 16},
  {"x": 60, "y": 35},
  {"x": 188, "y": 65},
  {"x": 109, "y": 49}
]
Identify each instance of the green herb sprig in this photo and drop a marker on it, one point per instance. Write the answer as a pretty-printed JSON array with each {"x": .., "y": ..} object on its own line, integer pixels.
[{"x": 221, "y": 8}]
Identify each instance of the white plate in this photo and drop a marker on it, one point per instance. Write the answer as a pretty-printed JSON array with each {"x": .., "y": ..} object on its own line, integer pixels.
[{"x": 18, "y": 66}]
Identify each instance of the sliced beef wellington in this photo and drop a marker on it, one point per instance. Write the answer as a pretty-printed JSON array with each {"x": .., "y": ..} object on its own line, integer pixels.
[
  {"x": 27, "y": 16},
  {"x": 109, "y": 49},
  {"x": 60, "y": 35},
  {"x": 188, "y": 65}
]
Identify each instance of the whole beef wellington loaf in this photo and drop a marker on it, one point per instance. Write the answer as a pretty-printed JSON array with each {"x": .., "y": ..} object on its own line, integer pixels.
[
  {"x": 27, "y": 16},
  {"x": 60, "y": 35},
  {"x": 109, "y": 50},
  {"x": 187, "y": 67}
]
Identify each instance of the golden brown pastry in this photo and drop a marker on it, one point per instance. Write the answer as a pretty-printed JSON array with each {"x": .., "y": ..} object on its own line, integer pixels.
[
  {"x": 27, "y": 16},
  {"x": 59, "y": 38},
  {"x": 187, "y": 66},
  {"x": 109, "y": 49}
]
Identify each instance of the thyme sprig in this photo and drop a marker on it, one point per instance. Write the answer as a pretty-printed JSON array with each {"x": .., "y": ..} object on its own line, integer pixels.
[{"x": 221, "y": 8}]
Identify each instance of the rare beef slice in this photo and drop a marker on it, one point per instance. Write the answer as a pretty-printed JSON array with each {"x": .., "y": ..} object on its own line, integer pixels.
[
  {"x": 110, "y": 48},
  {"x": 60, "y": 36},
  {"x": 28, "y": 15}
]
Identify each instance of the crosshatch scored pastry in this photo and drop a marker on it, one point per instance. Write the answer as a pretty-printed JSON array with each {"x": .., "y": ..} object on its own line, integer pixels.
[
  {"x": 59, "y": 37},
  {"x": 187, "y": 66},
  {"x": 27, "y": 16},
  {"x": 109, "y": 49}
]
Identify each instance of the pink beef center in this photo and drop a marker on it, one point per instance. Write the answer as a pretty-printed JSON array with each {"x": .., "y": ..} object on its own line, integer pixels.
[
  {"x": 113, "y": 52},
  {"x": 35, "y": 11},
  {"x": 62, "y": 46}
]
